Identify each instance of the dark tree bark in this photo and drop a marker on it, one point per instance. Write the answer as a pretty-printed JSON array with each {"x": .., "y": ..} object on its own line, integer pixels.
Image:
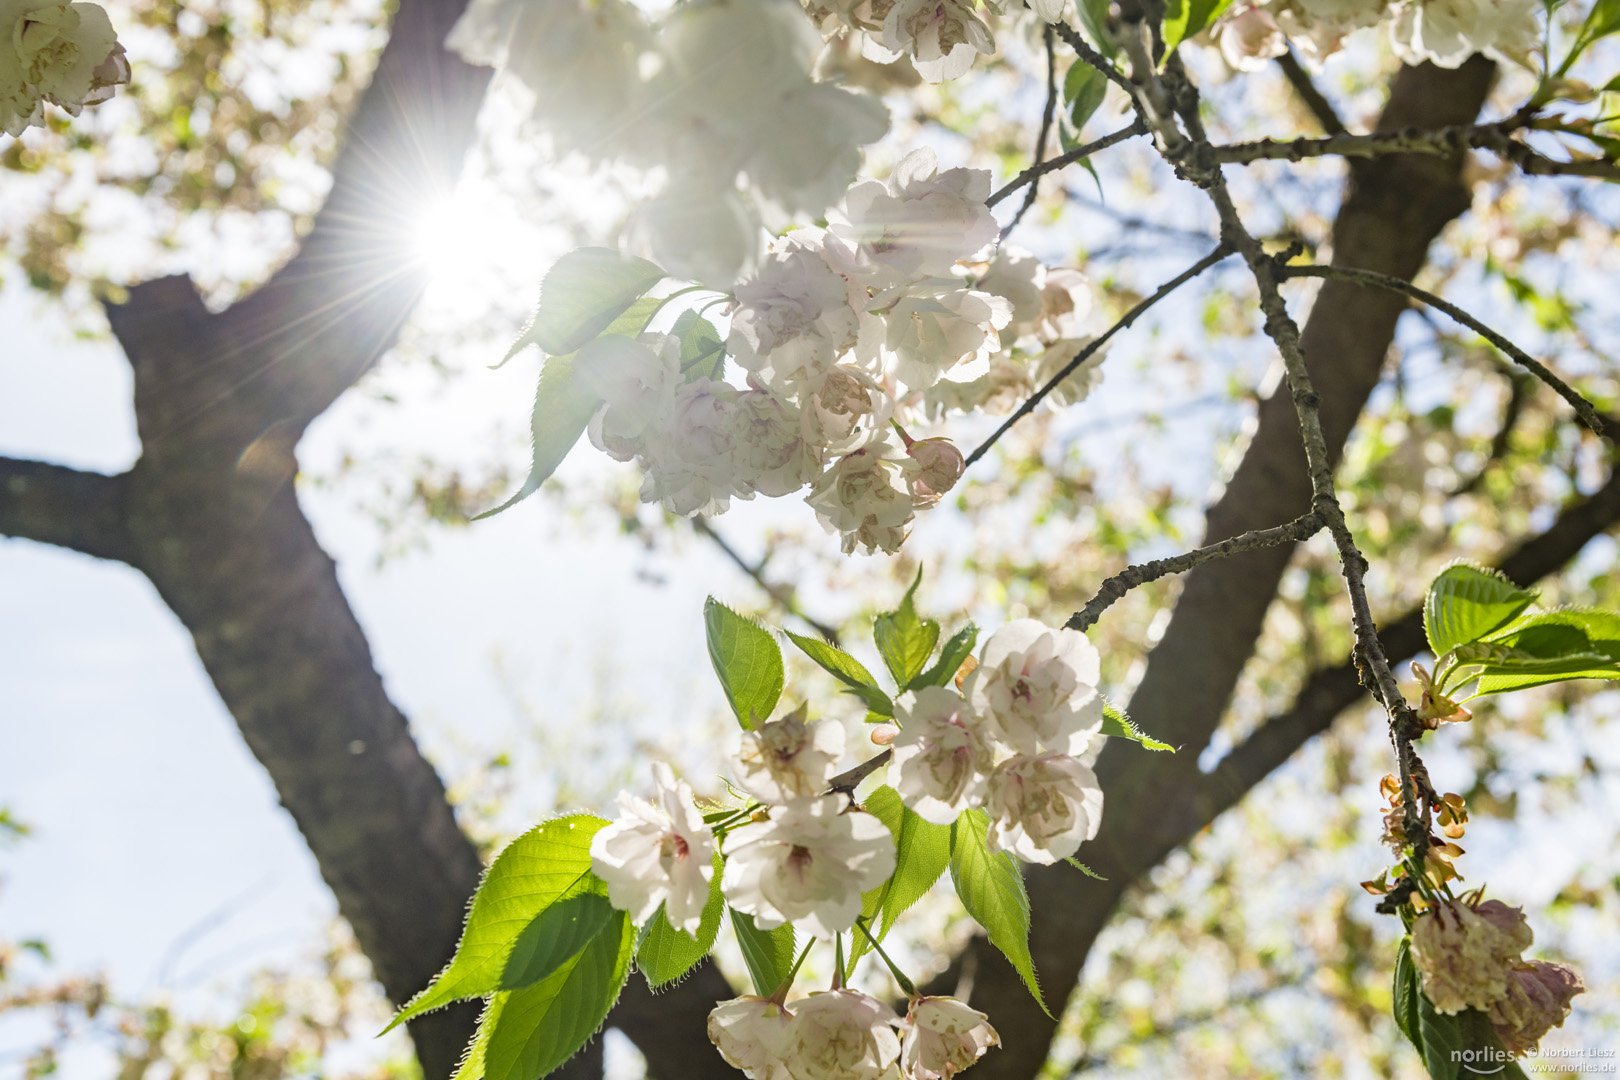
[{"x": 209, "y": 514}]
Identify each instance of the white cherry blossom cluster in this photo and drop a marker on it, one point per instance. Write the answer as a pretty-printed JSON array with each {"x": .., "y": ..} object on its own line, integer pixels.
[
  {"x": 896, "y": 310},
  {"x": 844, "y": 1034},
  {"x": 66, "y": 54},
  {"x": 1446, "y": 32},
  {"x": 1019, "y": 741},
  {"x": 717, "y": 93},
  {"x": 804, "y": 858}
]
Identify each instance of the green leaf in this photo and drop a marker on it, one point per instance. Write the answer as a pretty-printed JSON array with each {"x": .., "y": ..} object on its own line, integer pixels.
[
  {"x": 1406, "y": 993},
  {"x": 472, "y": 1062},
  {"x": 956, "y": 650},
  {"x": 1184, "y": 18},
  {"x": 747, "y": 660},
  {"x": 1553, "y": 646},
  {"x": 767, "y": 953},
  {"x": 922, "y": 850},
  {"x": 1465, "y": 603},
  {"x": 701, "y": 343},
  {"x": 1439, "y": 1040},
  {"x": 664, "y": 953},
  {"x": 556, "y": 936},
  {"x": 1117, "y": 724},
  {"x": 582, "y": 295},
  {"x": 542, "y": 1026},
  {"x": 544, "y": 865},
  {"x": 1084, "y": 88},
  {"x": 1094, "y": 17},
  {"x": 1083, "y": 868},
  {"x": 1601, "y": 21},
  {"x": 563, "y": 406},
  {"x": 1489, "y": 1057},
  {"x": 992, "y": 889},
  {"x": 904, "y": 639},
  {"x": 847, "y": 670}
]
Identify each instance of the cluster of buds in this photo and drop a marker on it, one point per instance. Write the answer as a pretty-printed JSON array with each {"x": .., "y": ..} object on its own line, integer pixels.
[{"x": 1469, "y": 955}]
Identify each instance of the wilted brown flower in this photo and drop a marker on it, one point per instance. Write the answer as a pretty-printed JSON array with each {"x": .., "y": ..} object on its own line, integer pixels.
[
  {"x": 1537, "y": 1000},
  {"x": 1463, "y": 952}
]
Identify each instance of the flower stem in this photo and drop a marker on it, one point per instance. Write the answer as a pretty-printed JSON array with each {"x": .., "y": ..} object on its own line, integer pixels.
[{"x": 907, "y": 987}]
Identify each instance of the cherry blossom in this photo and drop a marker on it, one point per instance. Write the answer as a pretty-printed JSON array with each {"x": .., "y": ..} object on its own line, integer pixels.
[
  {"x": 918, "y": 223},
  {"x": 942, "y": 37},
  {"x": 657, "y": 854},
  {"x": 941, "y": 1037},
  {"x": 842, "y": 1035},
  {"x": 941, "y": 757},
  {"x": 788, "y": 760},
  {"x": 861, "y": 498},
  {"x": 1037, "y": 687},
  {"x": 808, "y": 864},
  {"x": 793, "y": 318},
  {"x": 67, "y": 54},
  {"x": 930, "y": 332},
  {"x": 1462, "y": 952},
  {"x": 1042, "y": 807},
  {"x": 1537, "y": 1000},
  {"x": 751, "y": 1033}
]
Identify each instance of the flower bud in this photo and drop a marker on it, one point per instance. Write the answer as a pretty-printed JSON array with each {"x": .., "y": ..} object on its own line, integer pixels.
[
  {"x": 936, "y": 466},
  {"x": 943, "y": 1036},
  {"x": 751, "y": 1034},
  {"x": 842, "y": 1035}
]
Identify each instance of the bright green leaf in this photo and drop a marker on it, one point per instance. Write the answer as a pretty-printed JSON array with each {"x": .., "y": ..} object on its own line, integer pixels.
[
  {"x": 562, "y": 409},
  {"x": 768, "y": 954},
  {"x": 1184, "y": 18},
  {"x": 747, "y": 660},
  {"x": 701, "y": 344},
  {"x": 1553, "y": 646},
  {"x": 1465, "y": 603},
  {"x": 1084, "y": 869},
  {"x": 545, "y": 864},
  {"x": 664, "y": 953},
  {"x": 1601, "y": 21},
  {"x": 956, "y": 650},
  {"x": 904, "y": 639},
  {"x": 847, "y": 670},
  {"x": 582, "y": 295},
  {"x": 922, "y": 850},
  {"x": 556, "y": 936},
  {"x": 1117, "y": 724},
  {"x": 1084, "y": 88},
  {"x": 542, "y": 1026},
  {"x": 992, "y": 889},
  {"x": 472, "y": 1062},
  {"x": 1094, "y": 17}
]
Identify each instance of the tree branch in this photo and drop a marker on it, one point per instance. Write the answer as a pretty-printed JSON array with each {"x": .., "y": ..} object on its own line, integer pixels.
[
  {"x": 1583, "y": 408},
  {"x": 1301, "y": 528},
  {"x": 1040, "y": 139},
  {"x": 52, "y": 504},
  {"x": 1041, "y": 168},
  {"x": 782, "y": 594},
  {"x": 1306, "y": 88}
]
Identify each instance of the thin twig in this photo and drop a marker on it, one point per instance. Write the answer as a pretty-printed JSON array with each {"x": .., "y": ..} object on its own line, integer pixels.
[
  {"x": 1071, "y": 37},
  {"x": 1583, "y": 408},
  {"x": 1040, "y": 140},
  {"x": 1314, "y": 99},
  {"x": 782, "y": 594},
  {"x": 1035, "y": 172},
  {"x": 1220, "y": 252},
  {"x": 850, "y": 779},
  {"x": 1301, "y": 528}
]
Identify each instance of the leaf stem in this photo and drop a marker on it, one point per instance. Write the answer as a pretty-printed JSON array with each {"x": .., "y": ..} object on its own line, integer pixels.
[{"x": 907, "y": 987}]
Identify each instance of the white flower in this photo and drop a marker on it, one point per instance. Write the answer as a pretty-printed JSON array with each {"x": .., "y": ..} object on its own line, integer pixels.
[
  {"x": 930, "y": 334},
  {"x": 1065, "y": 301},
  {"x": 845, "y": 409},
  {"x": 66, "y": 54},
  {"x": 636, "y": 379},
  {"x": 807, "y": 864},
  {"x": 1249, "y": 37},
  {"x": 942, "y": 36},
  {"x": 657, "y": 855},
  {"x": 919, "y": 223},
  {"x": 942, "y": 1037},
  {"x": 793, "y": 318},
  {"x": 861, "y": 497},
  {"x": 1038, "y": 687},
  {"x": 1448, "y": 32},
  {"x": 579, "y": 60},
  {"x": 689, "y": 459},
  {"x": 1079, "y": 383},
  {"x": 788, "y": 760},
  {"x": 997, "y": 391},
  {"x": 842, "y": 1035},
  {"x": 751, "y": 1033},
  {"x": 941, "y": 758},
  {"x": 771, "y": 456},
  {"x": 1018, "y": 277},
  {"x": 1042, "y": 808}
]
